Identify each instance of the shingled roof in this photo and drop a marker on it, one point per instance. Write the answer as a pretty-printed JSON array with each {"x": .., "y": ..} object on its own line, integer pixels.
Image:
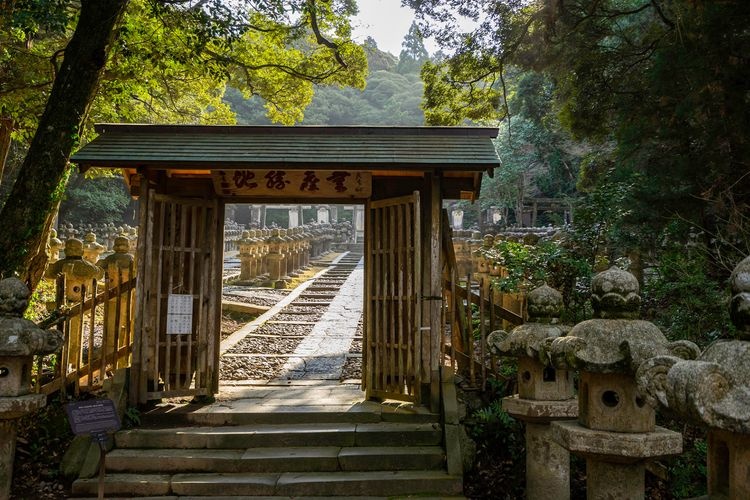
[{"x": 224, "y": 147}]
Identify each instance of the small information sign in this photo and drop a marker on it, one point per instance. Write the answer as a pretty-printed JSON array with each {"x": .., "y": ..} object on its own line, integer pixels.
[
  {"x": 179, "y": 314},
  {"x": 93, "y": 417},
  {"x": 293, "y": 183},
  {"x": 96, "y": 418}
]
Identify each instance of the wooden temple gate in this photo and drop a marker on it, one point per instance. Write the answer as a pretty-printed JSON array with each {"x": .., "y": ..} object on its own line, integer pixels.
[{"x": 184, "y": 175}]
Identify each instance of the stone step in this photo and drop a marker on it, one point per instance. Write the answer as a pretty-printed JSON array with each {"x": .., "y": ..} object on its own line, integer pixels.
[
  {"x": 248, "y": 436},
  {"x": 290, "y": 484},
  {"x": 276, "y": 459},
  {"x": 330, "y": 413}
]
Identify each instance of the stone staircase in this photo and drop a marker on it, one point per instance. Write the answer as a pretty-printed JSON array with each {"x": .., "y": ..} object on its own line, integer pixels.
[{"x": 285, "y": 454}]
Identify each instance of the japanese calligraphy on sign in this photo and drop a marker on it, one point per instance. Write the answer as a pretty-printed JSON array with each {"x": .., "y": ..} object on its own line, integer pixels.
[{"x": 293, "y": 183}]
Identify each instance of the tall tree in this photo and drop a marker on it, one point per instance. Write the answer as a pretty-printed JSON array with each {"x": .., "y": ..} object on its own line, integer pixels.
[
  {"x": 274, "y": 49},
  {"x": 413, "y": 53},
  {"x": 659, "y": 87}
]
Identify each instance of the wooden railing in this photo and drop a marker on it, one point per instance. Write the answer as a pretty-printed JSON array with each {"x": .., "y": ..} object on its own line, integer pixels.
[
  {"x": 471, "y": 312},
  {"x": 98, "y": 335}
]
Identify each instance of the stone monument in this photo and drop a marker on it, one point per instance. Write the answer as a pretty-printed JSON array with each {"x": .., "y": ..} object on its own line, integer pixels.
[
  {"x": 616, "y": 431},
  {"x": 714, "y": 392},
  {"x": 20, "y": 340},
  {"x": 545, "y": 394}
]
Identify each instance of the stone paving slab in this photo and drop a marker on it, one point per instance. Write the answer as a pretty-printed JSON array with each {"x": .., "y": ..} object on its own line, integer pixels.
[{"x": 322, "y": 354}]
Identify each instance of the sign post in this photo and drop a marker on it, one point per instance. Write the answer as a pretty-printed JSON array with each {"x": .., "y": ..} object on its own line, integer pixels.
[{"x": 96, "y": 418}]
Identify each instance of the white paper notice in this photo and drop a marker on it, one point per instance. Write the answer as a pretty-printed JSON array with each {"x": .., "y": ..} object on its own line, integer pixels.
[{"x": 179, "y": 314}]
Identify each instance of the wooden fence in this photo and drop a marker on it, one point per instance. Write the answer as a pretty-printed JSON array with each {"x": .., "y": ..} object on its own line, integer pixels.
[
  {"x": 98, "y": 335},
  {"x": 471, "y": 311}
]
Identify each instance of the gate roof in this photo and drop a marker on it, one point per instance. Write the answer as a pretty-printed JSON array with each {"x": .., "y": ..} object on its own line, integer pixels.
[
  {"x": 195, "y": 152},
  {"x": 357, "y": 148}
]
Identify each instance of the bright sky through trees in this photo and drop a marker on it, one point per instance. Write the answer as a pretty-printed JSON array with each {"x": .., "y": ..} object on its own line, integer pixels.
[{"x": 384, "y": 20}]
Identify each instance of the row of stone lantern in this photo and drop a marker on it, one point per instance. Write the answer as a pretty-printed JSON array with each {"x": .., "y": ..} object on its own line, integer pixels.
[
  {"x": 277, "y": 254},
  {"x": 626, "y": 369},
  {"x": 105, "y": 233}
]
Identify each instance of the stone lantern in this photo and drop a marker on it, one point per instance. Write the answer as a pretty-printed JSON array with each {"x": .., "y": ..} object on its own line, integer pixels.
[
  {"x": 119, "y": 267},
  {"x": 20, "y": 340},
  {"x": 247, "y": 257},
  {"x": 275, "y": 257},
  {"x": 54, "y": 246},
  {"x": 616, "y": 430},
  {"x": 79, "y": 273},
  {"x": 544, "y": 394},
  {"x": 714, "y": 392},
  {"x": 91, "y": 249}
]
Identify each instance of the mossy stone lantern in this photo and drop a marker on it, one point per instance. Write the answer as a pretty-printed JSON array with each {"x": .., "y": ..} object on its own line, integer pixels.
[
  {"x": 616, "y": 430},
  {"x": 544, "y": 394}
]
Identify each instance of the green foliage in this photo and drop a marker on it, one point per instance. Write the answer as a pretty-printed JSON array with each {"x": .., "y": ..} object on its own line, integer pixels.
[
  {"x": 390, "y": 98},
  {"x": 96, "y": 201},
  {"x": 689, "y": 472},
  {"x": 131, "y": 417},
  {"x": 529, "y": 266},
  {"x": 682, "y": 298},
  {"x": 37, "y": 309}
]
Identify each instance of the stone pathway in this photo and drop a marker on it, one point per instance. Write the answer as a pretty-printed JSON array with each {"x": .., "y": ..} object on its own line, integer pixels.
[
  {"x": 322, "y": 354},
  {"x": 306, "y": 336}
]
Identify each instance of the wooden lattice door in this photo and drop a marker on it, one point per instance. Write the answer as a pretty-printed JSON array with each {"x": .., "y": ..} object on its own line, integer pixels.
[
  {"x": 177, "y": 330},
  {"x": 393, "y": 350}
]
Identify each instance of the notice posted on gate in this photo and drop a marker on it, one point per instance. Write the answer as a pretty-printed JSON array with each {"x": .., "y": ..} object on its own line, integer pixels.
[
  {"x": 293, "y": 183},
  {"x": 179, "y": 314}
]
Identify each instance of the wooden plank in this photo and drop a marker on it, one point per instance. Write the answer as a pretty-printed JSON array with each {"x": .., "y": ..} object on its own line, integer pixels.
[
  {"x": 505, "y": 314},
  {"x": 436, "y": 290},
  {"x": 417, "y": 297},
  {"x": 215, "y": 303},
  {"x": 410, "y": 303},
  {"x": 402, "y": 299},
  {"x": 143, "y": 247},
  {"x": 368, "y": 309},
  {"x": 395, "y": 382}
]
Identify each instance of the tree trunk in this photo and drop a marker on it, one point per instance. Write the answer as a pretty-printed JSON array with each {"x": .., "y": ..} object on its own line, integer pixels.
[
  {"x": 25, "y": 217},
  {"x": 6, "y": 127}
]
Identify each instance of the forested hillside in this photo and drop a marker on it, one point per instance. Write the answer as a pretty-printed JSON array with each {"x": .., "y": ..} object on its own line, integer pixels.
[{"x": 392, "y": 97}]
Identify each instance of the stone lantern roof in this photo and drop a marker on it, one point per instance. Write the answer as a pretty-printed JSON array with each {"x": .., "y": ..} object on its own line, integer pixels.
[
  {"x": 614, "y": 341},
  {"x": 714, "y": 390},
  {"x": 544, "y": 307},
  {"x": 19, "y": 336}
]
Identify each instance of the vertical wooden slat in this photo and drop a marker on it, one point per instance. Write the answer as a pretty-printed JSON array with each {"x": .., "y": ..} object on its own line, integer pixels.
[
  {"x": 180, "y": 286},
  {"x": 368, "y": 329},
  {"x": 482, "y": 333},
  {"x": 167, "y": 374},
  {"x": 191, "y": 263},
  {"x": 215, "y": 304},
  {"x": 393, "y": 305},
  {"x": 410, "y": 304},
  {"x": 470, "y": 330},
  {"x": 377, "y": 276},
  {"x": 129, "y": 313},
  {"x": 417, "y": 301},
  {"x": 106, "y": 334},
  {"x": 136, "y": 393},
  {"x": 436, "y": 288},
  {"x": 201, "y": 273},
  {"x": 402, "y": 303}
]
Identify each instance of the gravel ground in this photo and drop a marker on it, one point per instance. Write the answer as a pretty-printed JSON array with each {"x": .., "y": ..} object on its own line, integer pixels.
[
  {"x": 260, "y": 296},
  {"x": 352, "y": 369},
  {"x": 297, "y": 317},
  {"x": 283, "y": 329},
  {"x": 250, "y": 367},
  {"x": 312, "y": 301},
  {"x": 266, "y": 345}
]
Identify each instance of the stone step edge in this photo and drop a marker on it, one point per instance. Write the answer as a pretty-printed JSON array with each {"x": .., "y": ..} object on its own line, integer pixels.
[
  {"x": 163, "y": 484},
  {"x": 277, "y": 459},
  {"x": 344, "y": 434}
]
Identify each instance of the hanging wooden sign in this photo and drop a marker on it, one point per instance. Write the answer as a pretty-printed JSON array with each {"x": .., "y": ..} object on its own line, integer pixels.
[{"x": 293, "y": 183}]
